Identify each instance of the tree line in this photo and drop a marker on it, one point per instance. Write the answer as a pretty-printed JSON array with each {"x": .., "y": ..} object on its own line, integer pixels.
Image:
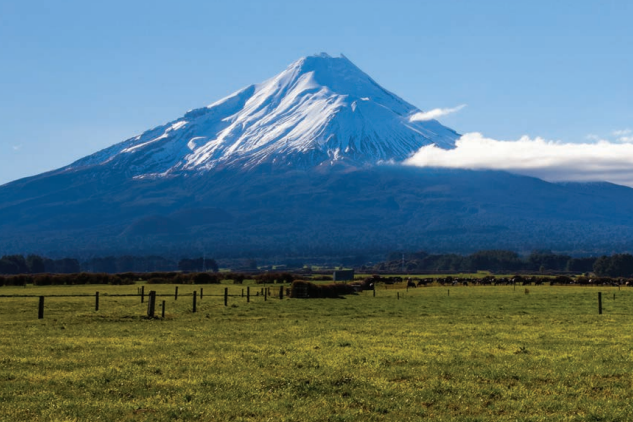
[
  {"x": 35, "y": 264},
  {"x": 499, "y": 261}
]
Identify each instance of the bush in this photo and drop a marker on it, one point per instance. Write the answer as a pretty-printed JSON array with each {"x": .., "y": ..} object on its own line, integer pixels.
[
  {"x": 183, "y": 279},
  {"x": 306, "y": 290},
  {"x": 16, "y": 280},
  {"x": 270, "y": 278},
  {"x": 79, "y": 279},
  {"x": 43, "y": 280},
  {"x": 159, "y": 280},
  {"x": 165, "y": 275},
  {"x": 205, "y": 278},
  {"x": 118, "y": 281},
  {"x": 238, "y": 278}
]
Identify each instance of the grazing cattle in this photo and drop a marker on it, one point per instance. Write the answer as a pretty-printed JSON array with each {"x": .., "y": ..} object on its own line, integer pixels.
[{"x": 488, "y": 280}]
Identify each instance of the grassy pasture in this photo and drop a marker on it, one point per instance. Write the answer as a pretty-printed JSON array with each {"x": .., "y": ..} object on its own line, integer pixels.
[{"x": 478, "y": 354}]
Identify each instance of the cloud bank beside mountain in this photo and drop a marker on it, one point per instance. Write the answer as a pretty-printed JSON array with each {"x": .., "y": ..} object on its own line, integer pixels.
[{"x": 554, "y": 161}]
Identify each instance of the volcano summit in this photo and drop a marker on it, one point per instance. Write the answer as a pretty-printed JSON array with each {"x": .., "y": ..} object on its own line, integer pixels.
[
  {"x": 320, "y": 111},
  {"x": 305, "y": 163}
]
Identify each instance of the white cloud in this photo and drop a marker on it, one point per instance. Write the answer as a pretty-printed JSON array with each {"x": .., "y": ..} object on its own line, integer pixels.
[
  {"x": 592, "y": 137},
  {"x": 621, "y": 135},
  {"x": 548, "y": 160},
  {"x": 436, "y": 113},
  {"x": 622, "y": 132},
  {"x": 16, "y": 147}
]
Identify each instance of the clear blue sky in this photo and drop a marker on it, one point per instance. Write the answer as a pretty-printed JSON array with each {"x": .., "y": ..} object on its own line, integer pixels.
[{"x": 77, "y": 76}]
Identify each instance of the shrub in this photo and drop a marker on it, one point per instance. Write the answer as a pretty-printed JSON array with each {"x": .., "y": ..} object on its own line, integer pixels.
[
  {"x": 165, "y": 275},
  {"x": 79, "y": 279},
  {"x": 183, "y": 279},
  {"x": 205, "y": 278},
  {"x": 238, "y": 278},
  {"x": 159, "y": 280},
  {"x": 118, "y": 281},
  {"x": 305, "y": 289},
  {"x": 43, "y": 280},
  {"x": 16, "y": 280},
  {"x": 270, "y": 278}
]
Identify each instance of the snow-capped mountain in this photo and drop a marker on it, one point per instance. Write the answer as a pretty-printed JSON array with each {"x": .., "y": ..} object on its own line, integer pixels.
[
  {"x": 321, "y": 110},
  {"x": 216, "y": 180}
]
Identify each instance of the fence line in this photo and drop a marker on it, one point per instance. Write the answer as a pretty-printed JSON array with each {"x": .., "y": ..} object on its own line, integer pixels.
[
  {"x": 152, "y": 295},
  {"x": 118, "y": 295}
]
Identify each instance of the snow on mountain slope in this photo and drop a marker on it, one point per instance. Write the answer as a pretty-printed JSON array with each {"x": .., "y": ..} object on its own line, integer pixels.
[{"x": 319, "y": 111}]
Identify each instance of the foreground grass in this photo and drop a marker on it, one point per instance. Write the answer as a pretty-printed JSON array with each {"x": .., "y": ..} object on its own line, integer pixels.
[{"x": 482, "y": 353}]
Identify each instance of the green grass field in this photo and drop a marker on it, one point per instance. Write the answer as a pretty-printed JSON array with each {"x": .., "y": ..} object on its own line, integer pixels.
[{"x": 480, "y": 354}]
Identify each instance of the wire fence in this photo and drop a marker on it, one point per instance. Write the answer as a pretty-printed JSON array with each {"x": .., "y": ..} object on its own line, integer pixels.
[{"x": 151, "y": 297}]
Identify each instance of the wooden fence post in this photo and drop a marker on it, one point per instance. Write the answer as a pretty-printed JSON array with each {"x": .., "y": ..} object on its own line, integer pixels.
[
  {"x": 281, "y": 292},
  {"x": 40, "y": 308},
  {"x": 151, "y": 304},
  {"x": 398, "y": 295},
  {"x": 599, "y": 303},
  {"x": 195, "y": 296},
  {"x": 176, "y": 294},
  {"x": 142, "y": 294},
  {"x": 248, "y": 294},
  {"x": 200, "y": 293},
  {"x": 374, "y": 289},
  {"x": 265, "y": 294},
  {"x": 242, "y": 292},
  {"x": 226, "y": 296},
  {"x": 97, "y": 301},
  {"x": 162, "y": 312}
]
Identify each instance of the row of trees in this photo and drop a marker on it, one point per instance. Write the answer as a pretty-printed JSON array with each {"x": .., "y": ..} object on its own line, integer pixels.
[
  {"x": 500, "y": 261},
  {"x": 198, "y": 265},
  {"x": 35, "y": 264},
  {"x": 618, "y": 265},
  {"x": 46, "y": 279}
]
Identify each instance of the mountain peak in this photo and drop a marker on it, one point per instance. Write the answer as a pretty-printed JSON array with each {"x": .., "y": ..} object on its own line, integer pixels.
[
  {"x": 338, "y": 74},
  {"x": 323, "y": 55},
  {"x": 320, "y": 111}
]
